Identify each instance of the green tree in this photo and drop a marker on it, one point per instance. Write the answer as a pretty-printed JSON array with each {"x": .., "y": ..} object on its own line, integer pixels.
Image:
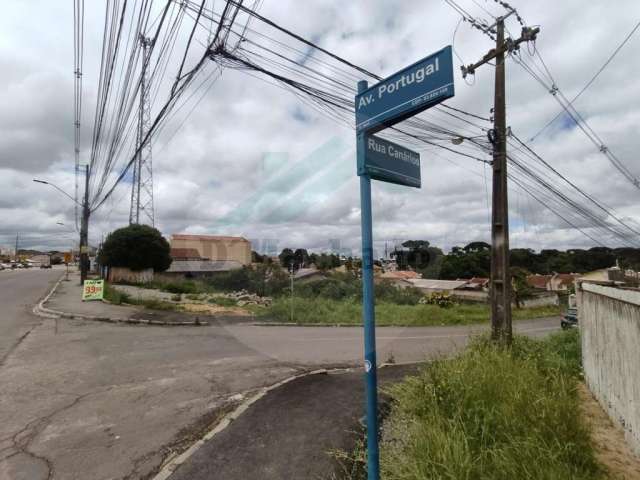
[
  {"x": 136, "y": 247},
  {"x": 521, "y": 288},
  {"x": 465, "y": 264},
  {"x": 286, "y": 257},
  {"x": 301, "y": 257},
  {"x": 475, "y": 247}
]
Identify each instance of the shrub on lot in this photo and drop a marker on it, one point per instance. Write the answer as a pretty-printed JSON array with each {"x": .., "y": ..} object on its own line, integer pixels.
[
  {"x": 386, "y": 291},
  {"x": 180, "y": 287},
  {"x": 440, "y": 299},
  {"x": 264, "y": 279}
]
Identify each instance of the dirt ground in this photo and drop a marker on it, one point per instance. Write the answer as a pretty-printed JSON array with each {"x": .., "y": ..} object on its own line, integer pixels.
[
  {"x": 212, "y": 309},
  {"x": 611, "y": 448}
]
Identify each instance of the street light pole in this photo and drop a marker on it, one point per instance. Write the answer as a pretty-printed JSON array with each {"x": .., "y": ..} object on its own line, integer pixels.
[{"x": 84, "y": 228}]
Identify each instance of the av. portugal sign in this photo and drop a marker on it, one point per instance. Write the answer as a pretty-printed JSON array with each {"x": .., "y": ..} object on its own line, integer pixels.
[
  {"x": 402, "y": 95},
  {"x": 406, "y": 93}
]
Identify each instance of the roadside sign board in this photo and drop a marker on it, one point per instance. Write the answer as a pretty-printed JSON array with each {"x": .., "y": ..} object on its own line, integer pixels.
[
  {"x": 390, "y": 162},
  {"x": 406, "y": 93},
  {"x": 67, "y": 257},
  {"x": 93, "y": 290}
]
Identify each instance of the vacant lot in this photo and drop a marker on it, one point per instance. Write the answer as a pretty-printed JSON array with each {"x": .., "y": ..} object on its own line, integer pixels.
[{"x": 349, "y": 312}]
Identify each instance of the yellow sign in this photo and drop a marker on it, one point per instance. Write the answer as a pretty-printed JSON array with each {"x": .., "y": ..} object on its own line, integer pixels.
[
  {"x": 93, "y": 290},
  {"x": 67, "y": 257}
]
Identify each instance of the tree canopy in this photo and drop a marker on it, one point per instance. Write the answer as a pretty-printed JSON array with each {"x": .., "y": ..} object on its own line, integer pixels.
[{"x": 137, "y": 247}]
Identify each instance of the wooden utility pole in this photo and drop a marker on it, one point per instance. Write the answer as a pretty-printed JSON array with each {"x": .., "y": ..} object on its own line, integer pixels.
[
  {"x": 500, "y": 290},
  {"x": 84, "y": 230}
]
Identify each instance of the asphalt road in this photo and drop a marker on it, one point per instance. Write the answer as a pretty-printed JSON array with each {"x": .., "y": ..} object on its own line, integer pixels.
[
  {"x": 19, "y": 290},
  {"x": 95, "y": 401}
]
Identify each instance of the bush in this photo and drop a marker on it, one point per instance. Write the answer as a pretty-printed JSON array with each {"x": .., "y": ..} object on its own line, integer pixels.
[
  {"x": 136, "y": 247},
  {"x": 440, "y": 299},
  {"x": 492, "y": 414},
  {"x": 265, "y": 279},
  {"x": 386, "y": 291},
  {"x": 181, "y": 287},
  {"x": 332, "y": 288},
  {"x": 114, "y": 296}
]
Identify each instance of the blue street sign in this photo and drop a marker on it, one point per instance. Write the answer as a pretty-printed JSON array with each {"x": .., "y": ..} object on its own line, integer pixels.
[
  {"x": 390, "y": 162},
  {"x": 400, "y": 96},
  {"x": 406, "y": 93}
]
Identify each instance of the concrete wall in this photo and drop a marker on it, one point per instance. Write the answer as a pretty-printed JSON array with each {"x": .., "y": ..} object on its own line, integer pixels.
[
  {"x": 610, "y": 330},
  {"x": 121, "y": 274}
]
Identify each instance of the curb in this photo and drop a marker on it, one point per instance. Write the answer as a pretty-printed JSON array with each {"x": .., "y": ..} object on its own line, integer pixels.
[{"x": 40, "y": 310}]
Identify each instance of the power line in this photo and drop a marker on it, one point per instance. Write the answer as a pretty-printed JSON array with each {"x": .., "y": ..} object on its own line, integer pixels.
[
  {"x": 600, "y": 70},
  {"x": 578, "y": 119}
]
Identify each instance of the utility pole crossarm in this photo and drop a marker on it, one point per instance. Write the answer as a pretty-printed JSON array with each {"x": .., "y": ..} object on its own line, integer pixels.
[{"x": 528, "y": 34}]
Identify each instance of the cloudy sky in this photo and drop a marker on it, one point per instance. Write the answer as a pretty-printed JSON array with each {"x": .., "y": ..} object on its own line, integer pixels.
[{"x": 249, "y": 158}]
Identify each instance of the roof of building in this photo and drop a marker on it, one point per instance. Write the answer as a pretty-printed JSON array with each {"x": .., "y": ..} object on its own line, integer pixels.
[
  {"x": 430, "y": 284},
  {"x": 538, "y": 281},
  {"x": 307, "y": 272},
  {"x": 400, "y": 275},
  {"x": 566, "y": 278},
  {"x": 212, "y": 238},
  {"x": 178, "y": 253},
  {"x": 203, "y": 266}
]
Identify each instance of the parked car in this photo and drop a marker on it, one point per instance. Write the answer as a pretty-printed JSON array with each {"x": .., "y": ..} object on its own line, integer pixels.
[
  {"x": 569, "y": 319},
  {"x": 45, "y": 265}
]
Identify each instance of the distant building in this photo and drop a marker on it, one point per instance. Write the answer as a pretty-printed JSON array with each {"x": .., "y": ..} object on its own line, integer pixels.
[
  {"x": 538, "y": 281},
  {"x": 478, "y": 283},
  {"x": 399, "y": 275},
  {"x": 432, "y": 286},
  {"x": 214, "y": 247},
  {"x": 558, "y": 282},
  {"x": 39, "y": 260},
  {"x": 185, "y": 254}
]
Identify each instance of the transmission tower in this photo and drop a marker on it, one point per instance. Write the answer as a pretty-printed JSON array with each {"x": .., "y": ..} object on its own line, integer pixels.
[{"x": 142, "y": 185}]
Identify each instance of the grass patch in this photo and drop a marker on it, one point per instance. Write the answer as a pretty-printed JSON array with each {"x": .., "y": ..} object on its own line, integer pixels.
[
  {"x": 492, "y": 414},
  {"x": 114, "y": 296},
  {"x": 223, "y": 301},
  {"x": 348, "y": 312},
  {"x": 118, "y": 298}
]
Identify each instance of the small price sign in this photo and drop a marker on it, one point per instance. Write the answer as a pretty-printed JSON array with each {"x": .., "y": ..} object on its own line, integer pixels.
[{"x": 93, "y": 290}]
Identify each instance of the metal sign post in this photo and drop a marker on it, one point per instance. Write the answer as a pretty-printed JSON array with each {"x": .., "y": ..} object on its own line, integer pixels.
[
  {"x": 368, "y": 312},
  {"x": 400, "y": 96}
]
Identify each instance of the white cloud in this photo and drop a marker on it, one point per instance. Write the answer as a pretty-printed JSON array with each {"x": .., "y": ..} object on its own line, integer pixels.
[{"x": 237, "y": 163}]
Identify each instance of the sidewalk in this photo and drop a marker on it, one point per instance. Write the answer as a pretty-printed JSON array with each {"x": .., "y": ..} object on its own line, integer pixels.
[
  {"x": 66, "y": 301},
  {"x": 67, "y": 298},
  {"x": 291, "y": 432}
]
